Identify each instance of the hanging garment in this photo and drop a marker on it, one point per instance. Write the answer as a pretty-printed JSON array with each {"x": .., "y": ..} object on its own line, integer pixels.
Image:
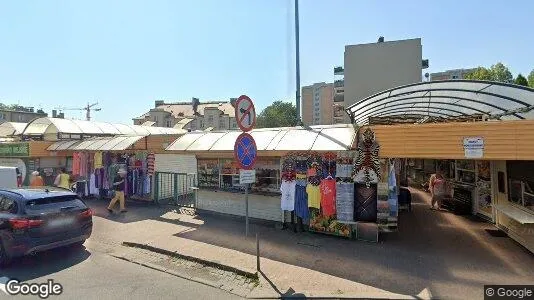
[
  {"x": 301, "y": 202},
  {"x": 314, "y": 196},
  {"x": 150, "y": 160},
  {"x": 344, "y": 170},
  {"x": 288, "y": 195},
  {"x": 98, "y": 160},
  {"x": 328, "y": 193},
  {"x": 147, "y": 185},
  {"x": 365, "y": 202},
  {"x": 345, "y": 201},
  {"x": 83, "y": 157},
  {"x": 93, "y": 190},
  {"x": 76, "y": 163}
]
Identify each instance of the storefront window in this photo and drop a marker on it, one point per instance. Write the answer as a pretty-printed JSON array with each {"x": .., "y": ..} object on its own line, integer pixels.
[
  {"x": 229, "y": 179},
  {"x": 208, "y": 173},
  {"x": 521, "y": 183},
  {"x": 267, "y": 176}
]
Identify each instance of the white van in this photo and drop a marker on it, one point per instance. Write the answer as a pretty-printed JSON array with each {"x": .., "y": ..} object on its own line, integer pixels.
[{"x": 8, "y": 177}]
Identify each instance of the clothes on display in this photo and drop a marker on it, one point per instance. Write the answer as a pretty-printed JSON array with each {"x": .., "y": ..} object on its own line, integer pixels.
[
  {"x": 101, "y": 168},
  {"x": 328, "y": 194},
  {"x": 314, "y": 196},
  {"x": 288, "y": 195},
  {"x": 301, "y": 202}
]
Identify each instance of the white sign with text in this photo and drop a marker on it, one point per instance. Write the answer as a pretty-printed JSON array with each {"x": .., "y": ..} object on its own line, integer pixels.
[
  {"x": 474, "y": 147},
  {"x": 247, "y": 176}
]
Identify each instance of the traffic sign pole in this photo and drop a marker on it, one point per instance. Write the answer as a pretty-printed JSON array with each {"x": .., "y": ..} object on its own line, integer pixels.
[
  {"x": 245, "y": 150},
  {"x": 246, "y": 208}
]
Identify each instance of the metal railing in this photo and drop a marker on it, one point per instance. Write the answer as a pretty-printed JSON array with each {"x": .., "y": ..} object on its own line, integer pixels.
[{"x": 175, "y": 188}]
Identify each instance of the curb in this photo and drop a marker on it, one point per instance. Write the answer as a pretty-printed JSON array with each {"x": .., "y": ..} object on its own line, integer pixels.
[
  {"x": 177, "y": 274},
  {"x": 194, "y": 259}
]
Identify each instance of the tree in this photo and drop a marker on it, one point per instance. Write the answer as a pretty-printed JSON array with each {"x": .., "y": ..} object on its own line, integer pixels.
[
  {"x": 521, "y": 80},
  {"x": 480, "y": 73},
  {"x": 531, "y": 79},
  {"x": 278, "y": 114},
  {"x": 501, "y": 73}
]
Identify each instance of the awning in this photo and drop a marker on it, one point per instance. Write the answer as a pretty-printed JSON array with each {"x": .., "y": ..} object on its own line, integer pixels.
[
  {"x": 118, "y": 143},
  {"x": 47, "y": 125},
  {"x": 8, "y": 129},
  {"x": 315, "y": 138},
  {"x": 447, "y": 99}
]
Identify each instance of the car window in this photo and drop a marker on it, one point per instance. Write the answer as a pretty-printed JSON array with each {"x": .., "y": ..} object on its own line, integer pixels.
[
  {"x": 7, "y": 205},
  {"x": 36, "y": 203}
]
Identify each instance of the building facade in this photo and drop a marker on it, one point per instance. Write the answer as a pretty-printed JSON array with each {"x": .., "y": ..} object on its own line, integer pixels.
[
  {"x": 371, "y": 68},
  {"x": 22, "y": 115},
  {"x": 450, "y": 74},
  {"x": 317, "y": 104},
  {"x": 192, "y": 115}
]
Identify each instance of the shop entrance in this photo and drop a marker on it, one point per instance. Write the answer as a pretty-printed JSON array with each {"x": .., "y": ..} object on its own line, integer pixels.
[{"x": 469, "y": 184}]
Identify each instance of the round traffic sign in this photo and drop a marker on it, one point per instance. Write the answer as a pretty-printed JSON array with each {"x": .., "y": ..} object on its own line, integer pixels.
[
  {"x": 245, "y": 151},
  {"x": 245, "y": 113}
]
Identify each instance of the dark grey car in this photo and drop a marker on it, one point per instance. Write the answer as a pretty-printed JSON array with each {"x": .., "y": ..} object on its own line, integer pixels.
[{"x": 34, "y": 220}]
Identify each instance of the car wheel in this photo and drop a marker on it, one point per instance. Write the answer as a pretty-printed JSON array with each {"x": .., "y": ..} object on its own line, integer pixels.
[{"x": 4, "y": 259}]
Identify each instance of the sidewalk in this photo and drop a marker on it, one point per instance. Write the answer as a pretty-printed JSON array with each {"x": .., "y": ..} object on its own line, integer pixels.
[{"x": 434, "y": 252}]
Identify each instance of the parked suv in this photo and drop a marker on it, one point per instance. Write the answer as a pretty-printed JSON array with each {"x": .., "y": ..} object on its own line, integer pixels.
[{"x": 34, "y": 220}]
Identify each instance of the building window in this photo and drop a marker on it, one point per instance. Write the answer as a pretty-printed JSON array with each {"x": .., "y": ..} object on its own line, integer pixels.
[
  {"x": 193, "y": 125},
  {"x": 156, "y": 119},
  {"x": 454, "y": 76},
  {"x": 222, "y": 124},
  {"x": 21, "y": 118},
  {"x": 201, "y": 124},
  {"x": 169, "y": 123},
  {"x": 210, "y": 120}
]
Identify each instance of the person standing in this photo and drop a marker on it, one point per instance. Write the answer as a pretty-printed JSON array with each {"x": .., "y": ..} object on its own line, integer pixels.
[
  {"x": 118, "y": 184},
  {"x": 437, "y": 189},
  {"x": 63, "y": 180},
  {"x": 37, "y": 180}
]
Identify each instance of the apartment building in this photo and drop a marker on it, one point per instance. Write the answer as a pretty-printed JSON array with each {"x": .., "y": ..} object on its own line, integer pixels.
[
  {"x": 451, "y": 74},
  {"x": 21, "y": 114},
  {"x": 317, "y": 104},
  {"x": 193, "y": 115},
  {"x": 375, "y": 67}
]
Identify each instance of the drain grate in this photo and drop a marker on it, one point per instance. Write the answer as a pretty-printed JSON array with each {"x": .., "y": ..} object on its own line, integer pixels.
[{"x": 496, "y": 233}]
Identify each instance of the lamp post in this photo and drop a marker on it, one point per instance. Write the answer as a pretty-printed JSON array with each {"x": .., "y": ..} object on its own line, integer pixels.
[{"x": 297, "y": 53}]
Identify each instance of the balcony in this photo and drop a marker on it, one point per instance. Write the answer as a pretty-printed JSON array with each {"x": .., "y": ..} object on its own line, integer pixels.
[
  {"x": 339, "y": 97},
  {"x": 338, "y": 70},
  {"x": 339, "y": 83}
]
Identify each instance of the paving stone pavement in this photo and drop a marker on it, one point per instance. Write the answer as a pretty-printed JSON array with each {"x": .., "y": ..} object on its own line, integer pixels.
[{"x": 225, "y": 280}]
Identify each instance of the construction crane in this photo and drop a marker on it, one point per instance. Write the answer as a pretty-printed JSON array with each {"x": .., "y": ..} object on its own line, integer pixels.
[{"x": 88, "y": 109}]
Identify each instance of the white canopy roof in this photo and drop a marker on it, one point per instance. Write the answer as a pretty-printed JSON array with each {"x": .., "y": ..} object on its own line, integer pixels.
[
  {"x": 11, "y": 128},
  {"x": 316, "y": 138},
  {"x": 117, "y": 143},
  {"x": 41, "y": 126},
  {"x": 448, "y": 99}
]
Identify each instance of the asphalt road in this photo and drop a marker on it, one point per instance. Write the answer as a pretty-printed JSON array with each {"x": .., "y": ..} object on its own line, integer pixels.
[{"x": 89, "y": 273}]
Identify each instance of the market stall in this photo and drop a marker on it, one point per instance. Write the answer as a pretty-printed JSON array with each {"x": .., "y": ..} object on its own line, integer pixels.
[{"x": 305, "y": 176}]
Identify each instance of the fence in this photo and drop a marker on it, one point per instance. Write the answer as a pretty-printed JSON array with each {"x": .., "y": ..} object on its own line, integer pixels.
[{"x": 175, "y": 188}]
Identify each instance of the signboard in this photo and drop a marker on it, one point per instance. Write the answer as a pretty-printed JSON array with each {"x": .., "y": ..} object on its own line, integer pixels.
[
  {"x": 474, "y": 147},
  {"x": 247, "y": 176},
  {"x": 14, "y": 150},
  {"x": 245, "y": 114},
  {"x": 245, "y": 151}
]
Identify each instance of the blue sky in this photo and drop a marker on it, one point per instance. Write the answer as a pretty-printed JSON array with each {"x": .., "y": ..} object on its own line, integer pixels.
[{"x": 126, "y": 54}]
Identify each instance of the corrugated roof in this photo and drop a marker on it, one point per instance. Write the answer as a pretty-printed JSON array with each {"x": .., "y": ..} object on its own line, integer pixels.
[
  {"x": 316, "y": 138},
  {"x": 117, "y": 143},
  {"x": 55, "y": 125}
]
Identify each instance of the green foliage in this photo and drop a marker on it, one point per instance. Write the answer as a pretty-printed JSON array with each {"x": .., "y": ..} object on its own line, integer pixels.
[
  {"x": 498, "y": 72},
  {"x": 521, "y": 80},
  {"x": 501, "y": 73},
  {"x": 531, "y": 79},
  {"x": 278, "y": 114},
  {"x": 480, "y": 73}
]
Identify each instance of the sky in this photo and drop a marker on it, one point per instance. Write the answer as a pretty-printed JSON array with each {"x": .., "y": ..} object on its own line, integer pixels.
[{"x": 125, "y": 54}]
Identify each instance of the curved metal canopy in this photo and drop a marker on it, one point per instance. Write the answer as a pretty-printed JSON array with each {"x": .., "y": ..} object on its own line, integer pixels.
[
  {"x": 47, "y": 125},
  {"x": 449, "y": 99}
]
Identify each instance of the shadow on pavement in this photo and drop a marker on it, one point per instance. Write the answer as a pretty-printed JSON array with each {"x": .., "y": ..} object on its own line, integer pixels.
[
  {"x": 451, "y": 255},
  {"x": 44, "y": 264}
]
